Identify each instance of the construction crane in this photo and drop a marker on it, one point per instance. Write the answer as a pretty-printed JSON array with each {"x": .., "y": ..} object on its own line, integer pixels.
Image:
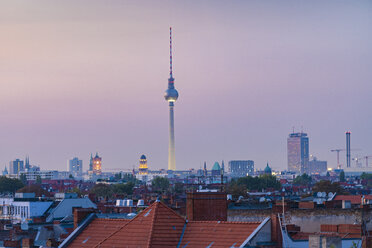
[
  {"x": 366, "y": 158},
  {"x": 338, "y": 155},
  {"x": 357, "y": 162}
]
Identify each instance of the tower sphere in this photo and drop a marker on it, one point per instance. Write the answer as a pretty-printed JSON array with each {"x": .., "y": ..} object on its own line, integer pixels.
[{"x": 171, "y": 95}]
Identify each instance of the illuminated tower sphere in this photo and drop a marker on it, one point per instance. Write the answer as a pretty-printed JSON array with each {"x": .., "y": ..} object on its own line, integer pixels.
[
  {"x": 143, "y": 169},
  {"x": 171, "y": 96},
  {"x": 97, "y": 165}
]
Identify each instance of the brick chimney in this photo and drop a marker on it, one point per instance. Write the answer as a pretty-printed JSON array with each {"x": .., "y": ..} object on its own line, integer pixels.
[
  {"x": 27, "y": 243},
  {"x": 80, "y": 214},
  {"x": 206, "y": 206},
  {"x": 276, "y": 232}
]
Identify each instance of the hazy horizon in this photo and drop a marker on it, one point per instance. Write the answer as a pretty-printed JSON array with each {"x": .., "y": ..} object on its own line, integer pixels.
[{"x": 82, "y": 78}]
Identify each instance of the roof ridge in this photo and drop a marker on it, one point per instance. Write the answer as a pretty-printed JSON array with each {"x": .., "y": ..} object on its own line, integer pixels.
[
  {"x": 156, "y": 203},
  {"x": 125, "y": 224},
  {"x": 112, "y": 219},
  {"x": 222, "y": 221},
  {"x": 174, "y": 212}
]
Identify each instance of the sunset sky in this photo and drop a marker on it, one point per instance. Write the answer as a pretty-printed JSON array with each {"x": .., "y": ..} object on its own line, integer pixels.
[{"x": 79, "y": 77}]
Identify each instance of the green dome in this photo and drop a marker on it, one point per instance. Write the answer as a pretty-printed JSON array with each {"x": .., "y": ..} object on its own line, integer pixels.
[
  {"x": 216, "y": 166},
  {"x": 267, "y": 169}
]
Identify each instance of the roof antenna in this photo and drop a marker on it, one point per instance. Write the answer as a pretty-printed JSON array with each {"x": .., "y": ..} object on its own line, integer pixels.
[{"x": 170, "y": 53}]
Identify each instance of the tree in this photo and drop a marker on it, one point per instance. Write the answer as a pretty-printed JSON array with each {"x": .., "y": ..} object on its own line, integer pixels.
[
  {"x": 38, "y": 179},
  {"x": 328, "y": 175},
  {"x": 178, "y": 188},
  {"x": 71, "y": 176},
  {"x": 101, "y": 189},
  {"x": 160, "y": 184},
  {"x": 304, "y": 179},
  {"x": 34, "y": 188},
  {"x": 366, "y": 176},
  {"x": 9, "y": 185},
  {"x": 328, "y": 186},
  {"x": 255, "y": 183},
  {"x": 23, "y": 178},
  {"x": 366, "y": 179},
  {"x": 77, "y": 191},
  {"x": 236, "y": 190},
  {"x": 123, "y": 188},
  {"x": 117, "y": 176},
  {"x": 342, "y": 176}
]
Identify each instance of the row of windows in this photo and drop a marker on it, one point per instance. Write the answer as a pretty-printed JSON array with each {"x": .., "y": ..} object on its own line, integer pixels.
[{"x": 21, "y": 211}]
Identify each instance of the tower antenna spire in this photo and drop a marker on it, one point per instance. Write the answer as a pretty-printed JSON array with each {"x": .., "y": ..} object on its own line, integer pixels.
[{"x": 170, "y": 53}]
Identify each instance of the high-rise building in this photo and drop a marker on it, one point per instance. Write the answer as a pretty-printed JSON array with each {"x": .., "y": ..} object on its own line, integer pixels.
[
  {"x": 143, "y": 169},
  {"x": 241, "y": 168},
  {"x": 171, "y": 96},
  {"x": 298, "y": 152},
  {"x": 27, "y": 163},
  {"x": 16, "y": 166},
  {"x": 75, "y": 167}
]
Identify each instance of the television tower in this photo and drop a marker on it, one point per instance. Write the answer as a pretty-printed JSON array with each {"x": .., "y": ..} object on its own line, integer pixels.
[{"x": 171, "y": 96}]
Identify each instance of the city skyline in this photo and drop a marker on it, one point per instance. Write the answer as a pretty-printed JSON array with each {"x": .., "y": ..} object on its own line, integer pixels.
[{"x": 80, "y": 78}]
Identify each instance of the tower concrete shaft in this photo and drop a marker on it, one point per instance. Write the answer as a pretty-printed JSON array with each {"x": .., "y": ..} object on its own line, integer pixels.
[
  {"x": 171, "y": 95},
  {"x": 171, "y": 151}
]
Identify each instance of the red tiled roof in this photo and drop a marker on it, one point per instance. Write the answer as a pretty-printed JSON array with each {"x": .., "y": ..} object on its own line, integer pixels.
[
  {"x": 156, "y": 226},
  {"x": 368, "y": 197},
  {"x": 160, "y": 226},
  {"x": 301, "y": 236},
  {"x": 305, "y": 236},
  {"x": 96, "y": 231},
  {"x": 217, "y": 233},
  {"x": 354, "y": 199}
]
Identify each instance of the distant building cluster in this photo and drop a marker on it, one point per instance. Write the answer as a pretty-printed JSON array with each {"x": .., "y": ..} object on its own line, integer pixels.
[
  {"x": 298, "y": 156},
  {"x": 299, "y": 161}
]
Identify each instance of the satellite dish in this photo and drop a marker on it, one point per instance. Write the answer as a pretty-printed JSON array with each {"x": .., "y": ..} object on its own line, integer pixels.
[
  {"x": 324, "y": 194},
  {"x": 330, "y": 195},
  {"x": 319, "y": 194}
]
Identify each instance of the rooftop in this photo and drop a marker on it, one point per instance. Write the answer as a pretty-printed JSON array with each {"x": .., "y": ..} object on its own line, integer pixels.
[{"x": 160, "y": 226}]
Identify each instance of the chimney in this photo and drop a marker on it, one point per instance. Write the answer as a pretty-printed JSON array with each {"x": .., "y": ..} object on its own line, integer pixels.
[
  {"x": 206, "y": 206},
  {"x": 27, "y": 242},
  {"x": 348, "y": 153},
  {"x": 80, "y": 214}
]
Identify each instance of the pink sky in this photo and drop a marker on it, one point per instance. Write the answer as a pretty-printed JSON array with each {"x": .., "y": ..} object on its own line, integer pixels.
[{"x": 78, "y": 78}]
